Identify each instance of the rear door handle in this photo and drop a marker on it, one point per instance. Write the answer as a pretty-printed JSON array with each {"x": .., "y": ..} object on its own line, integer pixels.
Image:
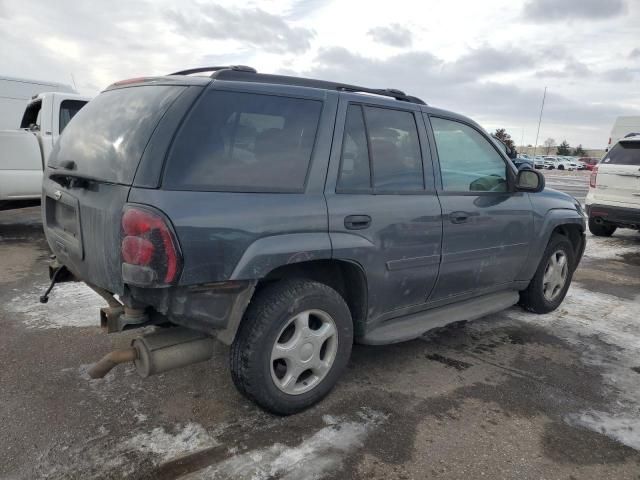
[
  {"x": 357, "y": 222},
  {"x": 458, "y": 217}
]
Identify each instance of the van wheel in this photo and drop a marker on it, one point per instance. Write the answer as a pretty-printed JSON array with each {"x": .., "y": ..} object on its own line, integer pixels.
[
  {"x": 293, "y": 344},
  {"x": 549, "y": 285},
  {"x": 561, "y": 167},
  {"x": 602, "y": 229}
]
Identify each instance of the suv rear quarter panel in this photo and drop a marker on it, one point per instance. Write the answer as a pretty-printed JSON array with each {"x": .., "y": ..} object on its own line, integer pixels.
[{"x": 234, "y": 235}]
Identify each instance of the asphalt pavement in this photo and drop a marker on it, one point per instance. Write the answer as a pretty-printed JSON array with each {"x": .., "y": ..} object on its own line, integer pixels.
[
  {"x": 575, "y": 183},
  {"x": 513, "y": 395}
]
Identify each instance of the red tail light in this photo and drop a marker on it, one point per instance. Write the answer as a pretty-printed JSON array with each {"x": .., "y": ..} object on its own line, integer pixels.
[
  {"x": 150, "y": 252},
  {"x": 593, "y": 177}
]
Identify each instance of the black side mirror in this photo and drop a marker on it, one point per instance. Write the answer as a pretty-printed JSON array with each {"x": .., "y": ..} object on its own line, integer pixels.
[{"x": 530, "y": 181}]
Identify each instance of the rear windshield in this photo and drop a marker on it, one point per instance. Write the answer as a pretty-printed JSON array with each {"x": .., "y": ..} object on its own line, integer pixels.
[
  {"x": 107, "y": 137},
  {"x": 623, "y": 153},
  {"x": 244, "y": 142}
]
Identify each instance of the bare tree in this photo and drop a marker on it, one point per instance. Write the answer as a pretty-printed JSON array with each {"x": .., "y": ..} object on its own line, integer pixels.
[{"x": 549, "y": 143}]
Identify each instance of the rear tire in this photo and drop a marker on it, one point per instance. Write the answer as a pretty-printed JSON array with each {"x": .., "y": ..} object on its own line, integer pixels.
[
  {"x": 283, "y": 318},
  {"x": 540, "y": 296},
  {"x": 602, "y": 229}
]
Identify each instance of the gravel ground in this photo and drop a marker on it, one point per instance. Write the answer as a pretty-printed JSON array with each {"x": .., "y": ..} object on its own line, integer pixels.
[{"x": 513, "y": 395}]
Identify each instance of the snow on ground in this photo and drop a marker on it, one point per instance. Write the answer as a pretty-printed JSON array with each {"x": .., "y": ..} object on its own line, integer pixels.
[
  {"x": 583, "y": 317},
  {"x": 71, "y": 304},
  {"x": 165, "y": 446},
  {"x": 314, "y": 457},
  {"x": 603, "y": 248}
]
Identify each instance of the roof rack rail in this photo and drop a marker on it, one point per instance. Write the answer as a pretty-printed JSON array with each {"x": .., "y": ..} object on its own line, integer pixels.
[
  {"x": 236, "y": 68},
  {"x": 387, "y": 92},
  {"x": 243, "y": 73}
]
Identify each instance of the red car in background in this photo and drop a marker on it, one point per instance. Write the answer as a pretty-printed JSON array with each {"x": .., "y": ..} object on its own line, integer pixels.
[{"x": 589, "y": 162}]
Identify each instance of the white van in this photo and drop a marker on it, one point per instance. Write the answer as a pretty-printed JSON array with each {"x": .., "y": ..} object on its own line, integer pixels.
[
  {"x": 622, "y": 127},
  {"x": 15, "y": 93}
]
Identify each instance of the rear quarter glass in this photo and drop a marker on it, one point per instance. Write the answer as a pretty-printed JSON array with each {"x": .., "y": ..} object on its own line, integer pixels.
[
  {"x": 107, "y": 137},
  {"x": 244, "y": 142}
]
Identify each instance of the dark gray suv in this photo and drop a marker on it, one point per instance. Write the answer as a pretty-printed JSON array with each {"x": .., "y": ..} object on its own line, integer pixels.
[{"x": 290, "y": 217}]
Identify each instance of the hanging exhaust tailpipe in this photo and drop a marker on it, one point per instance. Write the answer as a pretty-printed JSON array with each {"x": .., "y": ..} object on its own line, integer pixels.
[
  {"x": 159, "y": 352},
  {"x": 171, "y": 348}
]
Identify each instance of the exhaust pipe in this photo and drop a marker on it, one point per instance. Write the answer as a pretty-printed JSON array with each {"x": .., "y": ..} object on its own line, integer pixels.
[
  {"x": 110, "y": 360},
  {"x": 159, "y": 352}
]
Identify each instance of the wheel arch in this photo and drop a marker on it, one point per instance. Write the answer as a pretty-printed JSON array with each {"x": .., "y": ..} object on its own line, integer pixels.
[{"x": 346, "y": 277}]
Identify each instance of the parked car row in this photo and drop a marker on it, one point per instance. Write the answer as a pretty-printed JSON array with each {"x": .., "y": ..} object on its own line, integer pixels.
[{"x": 551, "y": 162}]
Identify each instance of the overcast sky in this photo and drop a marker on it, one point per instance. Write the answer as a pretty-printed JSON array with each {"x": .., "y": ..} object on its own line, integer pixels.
[{"x": 488, "y": 59}]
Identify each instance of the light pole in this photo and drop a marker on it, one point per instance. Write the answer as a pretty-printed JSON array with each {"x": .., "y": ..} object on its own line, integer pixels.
[{"x": 535, "y": 146}]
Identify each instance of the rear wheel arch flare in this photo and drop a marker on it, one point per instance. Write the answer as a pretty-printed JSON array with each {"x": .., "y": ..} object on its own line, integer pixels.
[{"x": 346, "y": 277}]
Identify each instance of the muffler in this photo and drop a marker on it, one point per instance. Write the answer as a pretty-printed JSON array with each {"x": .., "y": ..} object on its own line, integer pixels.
[{"x": 159, "y": 352}]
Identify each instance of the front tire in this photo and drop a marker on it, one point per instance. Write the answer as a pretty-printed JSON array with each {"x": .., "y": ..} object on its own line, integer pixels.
[
  {"x": 601, "y": 229},
  {"x": 552, "y": 279},
  {"x": 292, "y": 346}
]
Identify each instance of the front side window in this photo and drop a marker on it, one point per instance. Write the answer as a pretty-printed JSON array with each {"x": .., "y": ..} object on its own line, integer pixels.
[
  {"x": 68, "y": 110},
  {"x": 468, "y": 162},
  {"x": 385, "y": 142},
  {"x": 244, "y": 142}
]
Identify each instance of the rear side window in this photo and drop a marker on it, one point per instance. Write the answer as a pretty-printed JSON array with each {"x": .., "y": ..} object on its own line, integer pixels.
[
  {"x": 244, "y": 142},
  {"x": 355, "y": 173},
  {"x": 623, "y": 153},
  {"x": 68, "y": 110},
  {"x": 385, "y": 142},
  {"x": 395, "y": 150},
  {"x": 110, "y": 133}
]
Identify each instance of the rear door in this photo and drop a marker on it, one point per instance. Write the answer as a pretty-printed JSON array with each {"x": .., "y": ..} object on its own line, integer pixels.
[
  {"x": 486, "y": 226},
  {"x": 383, "y": 211},
  {"x": 618, "y": 178}
]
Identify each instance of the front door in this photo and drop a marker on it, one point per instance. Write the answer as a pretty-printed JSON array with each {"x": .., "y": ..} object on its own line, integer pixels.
[
  {"x": 487, "y": 226},
  {"x": 383, "y": 211}
]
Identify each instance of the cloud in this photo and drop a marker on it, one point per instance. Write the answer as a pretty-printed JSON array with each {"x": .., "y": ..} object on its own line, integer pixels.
[
  {"x": 252, "y": 26},
  {"x": 561, "y": 10},
  {"x": 487, "y": 61},
  {"x": 394, "y": 35},
  {"x": 440, "y": 83},
  {"x": 622, "y": 75},
  {"x": 573, "y": 68},
  {"x": 635, "y": 53}
]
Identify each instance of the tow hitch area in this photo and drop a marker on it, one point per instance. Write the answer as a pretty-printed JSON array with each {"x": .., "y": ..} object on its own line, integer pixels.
[
  {"x": 58, "y": 273},
  {"x": 159, "y": 352}
]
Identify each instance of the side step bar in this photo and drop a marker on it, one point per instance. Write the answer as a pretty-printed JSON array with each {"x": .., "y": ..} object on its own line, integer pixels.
[{"x": 417, "y": 324}]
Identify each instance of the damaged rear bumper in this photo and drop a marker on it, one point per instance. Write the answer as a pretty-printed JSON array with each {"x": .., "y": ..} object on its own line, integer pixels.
[{"x": 214, "y": 308}]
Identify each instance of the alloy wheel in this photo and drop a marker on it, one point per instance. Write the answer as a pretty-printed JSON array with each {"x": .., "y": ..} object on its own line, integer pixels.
[{"x": 304, "y": 352}]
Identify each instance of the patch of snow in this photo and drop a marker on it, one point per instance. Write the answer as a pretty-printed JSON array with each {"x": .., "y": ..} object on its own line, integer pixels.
[
  {"x": 71, "y": 304},
  {"x": 584, "y": 317},
  {"x": 166, "y": 446},
  {"x": 603, "y": 248},
  {"x": 585, "y": 313},
  {"x": 314, "y": 457},
  {"x": 623, "y": 428},
  {"x": 141, "y": 417}
]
